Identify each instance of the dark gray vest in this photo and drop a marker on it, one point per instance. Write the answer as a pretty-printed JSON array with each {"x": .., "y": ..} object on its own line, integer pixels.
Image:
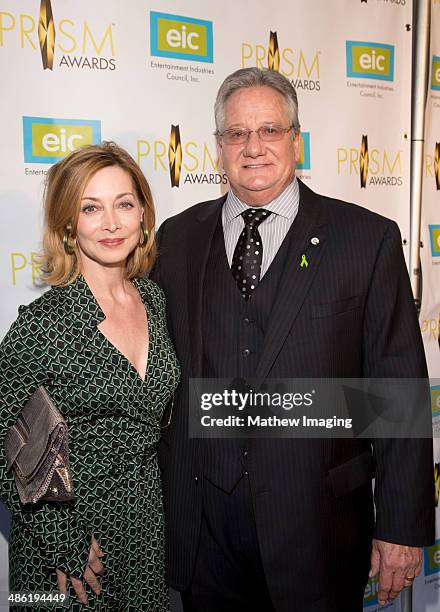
[{"x": 233, "y": 334}]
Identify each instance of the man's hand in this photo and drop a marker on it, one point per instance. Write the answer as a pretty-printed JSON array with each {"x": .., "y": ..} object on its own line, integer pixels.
[
  {"x": 397, "y": 567},
  {"x": 94, "y": 568}
]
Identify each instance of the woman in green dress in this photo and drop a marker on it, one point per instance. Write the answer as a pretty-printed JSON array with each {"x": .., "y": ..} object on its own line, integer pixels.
[{"x": 98, "y": 342}]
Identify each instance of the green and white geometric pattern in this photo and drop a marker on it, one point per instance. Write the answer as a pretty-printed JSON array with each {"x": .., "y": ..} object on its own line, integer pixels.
[{"x": 114, "y": 427}]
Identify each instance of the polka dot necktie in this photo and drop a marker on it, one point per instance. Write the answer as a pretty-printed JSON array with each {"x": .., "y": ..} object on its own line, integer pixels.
[{"x": 248, "y": 254}]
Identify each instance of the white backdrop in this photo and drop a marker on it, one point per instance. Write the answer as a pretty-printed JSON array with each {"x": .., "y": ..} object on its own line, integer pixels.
[
  {"x": 427, "y": 587},
  {"x": 130, "y": 71}
]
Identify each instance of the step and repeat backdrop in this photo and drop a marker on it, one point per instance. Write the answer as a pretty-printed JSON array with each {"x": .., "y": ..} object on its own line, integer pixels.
[
  {"x": 145, "y": 74},
  {"x": 427, "y": 589}
]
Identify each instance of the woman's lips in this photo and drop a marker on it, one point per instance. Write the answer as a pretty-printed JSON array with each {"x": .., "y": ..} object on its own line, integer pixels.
[{"x": 111, "y": 242}]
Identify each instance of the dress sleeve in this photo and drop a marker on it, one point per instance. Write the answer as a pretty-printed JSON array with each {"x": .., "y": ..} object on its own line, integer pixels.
[{"x": 54, "y": 526}]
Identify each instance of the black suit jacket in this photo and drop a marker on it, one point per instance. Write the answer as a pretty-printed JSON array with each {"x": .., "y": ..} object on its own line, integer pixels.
[{"x": 350, "y": 313}]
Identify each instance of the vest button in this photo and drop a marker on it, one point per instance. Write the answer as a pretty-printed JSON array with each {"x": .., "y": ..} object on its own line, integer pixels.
[
  {"x": 246, "y": 321},
  {"x": 246, "y": 352}
]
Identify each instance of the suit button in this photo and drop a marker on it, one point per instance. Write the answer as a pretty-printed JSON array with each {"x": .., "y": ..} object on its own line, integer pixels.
[
  {"x": 245, "y": 453},
  {"x": 196, "y": 480},
  {"x": 245, "y": 352},
  {"x": 246, "y": 321},
  {"x": 246, "y": 473}
]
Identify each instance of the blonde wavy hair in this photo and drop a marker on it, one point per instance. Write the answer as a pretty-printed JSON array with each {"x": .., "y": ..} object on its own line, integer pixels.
[{"x": 64, "y": 188}]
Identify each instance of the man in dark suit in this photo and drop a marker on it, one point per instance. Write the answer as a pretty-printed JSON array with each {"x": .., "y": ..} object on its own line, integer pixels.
[{"x": 287, "y": 525}]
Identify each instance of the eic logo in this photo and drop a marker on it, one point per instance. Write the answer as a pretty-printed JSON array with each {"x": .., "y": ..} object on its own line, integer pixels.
[
  {"x": 178, "y": 37},
  {"x": 435, "y": 402},
  {"x": 48, "y": 140},
  {"x": 304, "y": 160},
  {"x": 371, "y": 591},
  {"x": 434, "y": 233},
  {"x": 435, "y": 73},
  {"x": 432, "y": 559},
  {"x": 367, "y": 60}
]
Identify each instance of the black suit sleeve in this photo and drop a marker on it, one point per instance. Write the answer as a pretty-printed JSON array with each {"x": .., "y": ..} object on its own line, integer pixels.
[
  {"x": 155, "y": 271},
  {"x": 392, "y": 348}
]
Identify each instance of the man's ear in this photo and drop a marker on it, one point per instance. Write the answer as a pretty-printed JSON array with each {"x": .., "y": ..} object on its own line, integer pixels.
[
  {"x": 219, "y": 153},
  {"x": 297, "y": 146}
]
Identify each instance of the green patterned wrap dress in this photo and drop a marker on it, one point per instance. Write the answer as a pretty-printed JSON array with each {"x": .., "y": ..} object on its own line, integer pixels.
[{"x": 114, "y": 420}]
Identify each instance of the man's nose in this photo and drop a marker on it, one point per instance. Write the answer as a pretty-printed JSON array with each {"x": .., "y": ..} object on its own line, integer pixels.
[{"x": 254, "y": 146}]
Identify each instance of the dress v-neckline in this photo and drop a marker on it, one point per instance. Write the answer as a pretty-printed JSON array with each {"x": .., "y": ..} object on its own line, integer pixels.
[
  {"x": 124, "y": 357},
  {"x": 93, "y": 315},
  {"x": 100, "y": 317}
]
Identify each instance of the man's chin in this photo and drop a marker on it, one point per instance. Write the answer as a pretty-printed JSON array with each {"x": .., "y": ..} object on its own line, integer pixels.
[{"x": 258, "y": 193}]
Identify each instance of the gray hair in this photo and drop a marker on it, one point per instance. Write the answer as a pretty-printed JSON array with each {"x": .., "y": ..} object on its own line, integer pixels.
[{"x": 256, "y": 77}]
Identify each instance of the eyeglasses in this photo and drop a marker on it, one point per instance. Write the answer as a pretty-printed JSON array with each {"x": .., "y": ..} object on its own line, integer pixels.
[{"x": 266, "y": 133}]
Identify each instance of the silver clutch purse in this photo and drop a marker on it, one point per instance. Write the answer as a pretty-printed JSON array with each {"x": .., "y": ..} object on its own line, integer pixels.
[{"x": 37, "y": 451}]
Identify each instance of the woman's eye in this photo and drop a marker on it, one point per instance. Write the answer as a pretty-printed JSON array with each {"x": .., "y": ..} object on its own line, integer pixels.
[
  {"x": 126, "y": 204},
  {"x": 88, "y": 208}
]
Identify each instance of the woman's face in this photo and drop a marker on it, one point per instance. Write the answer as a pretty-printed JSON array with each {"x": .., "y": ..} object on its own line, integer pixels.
[{"x": 108, "y": 227}]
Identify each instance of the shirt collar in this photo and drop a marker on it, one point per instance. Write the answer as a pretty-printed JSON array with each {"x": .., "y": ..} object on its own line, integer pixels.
[{"x": 285, "y": 205}]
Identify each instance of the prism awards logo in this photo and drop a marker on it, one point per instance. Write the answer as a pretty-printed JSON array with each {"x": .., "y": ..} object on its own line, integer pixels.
[
  {"x": 435, "y": 73},
  {"x": 301, "y": 66},
  {"x": 47, "y": 140},
  {"x": 174, "y": 36},
  {"x": 186, "y": 160},
  {"x": 80, "y": 45},
  {"x": 304, "y": 160},
  {"x": 46, "y": 34},
  {"x": 375, "y": 167},
  {"x": 175, "y": 156},
  {"x": 432, "y": 165},
  {"x": 432, "y": 559},
  {"x": 437, "y": 165},
  {"x": 434, "y": 234},
  {"x": 363, "y": 161},
  {"x": 273, "y": 52},
  {"x": 436, "y": 483},
  {"x": 368, "y": 60},
  {"x": 371, "y": 591}
]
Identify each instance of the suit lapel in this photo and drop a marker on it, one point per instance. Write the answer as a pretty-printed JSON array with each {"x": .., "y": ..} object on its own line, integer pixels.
[
  {"x": 307, "y": 244},
  {"x": 200, "y": 245}
]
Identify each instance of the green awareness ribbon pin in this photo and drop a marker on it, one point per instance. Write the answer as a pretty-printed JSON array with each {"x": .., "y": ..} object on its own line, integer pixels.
[{"x": 304, "y": 262}]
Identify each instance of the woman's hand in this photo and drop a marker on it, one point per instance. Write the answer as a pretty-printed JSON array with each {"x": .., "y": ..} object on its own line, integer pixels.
[{"x": 94, "y": 567}]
